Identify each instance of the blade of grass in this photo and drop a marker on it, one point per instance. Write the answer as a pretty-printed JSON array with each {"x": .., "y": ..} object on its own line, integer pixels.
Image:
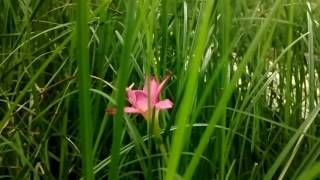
[
  {"x": 140, "y": 146},
  {"x": 6, "y": 117},
  {"x": 227, "y": 94},
  {"x": 308, "y": 160},
  {"x": 225, "y": 77},
  {"x": 311, "y": 70},
  {"x": 289, "y": 66},
  {"x": 85, "y": 124},
  {"x": 187, "y": 101},
  {"x": 122, "y": 82},
  {"x": 300, "y": 133},
  {"x": 311, "y": 173},
  {"x": 164, "y": 31},
  {"x": 19, "y": 151}
]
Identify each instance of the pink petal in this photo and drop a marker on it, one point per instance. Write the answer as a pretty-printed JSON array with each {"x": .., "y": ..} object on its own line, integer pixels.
[
  {"x": 153, "y": 86},
  {"x": 163, "y": 82},
  {"x": 131, "y": 110},
  {"x": 161, "y": 86},
  {"x": 164, "y": 104},
  {"x": 131, "y": 96},
  {"x": 141, "y": 101}
]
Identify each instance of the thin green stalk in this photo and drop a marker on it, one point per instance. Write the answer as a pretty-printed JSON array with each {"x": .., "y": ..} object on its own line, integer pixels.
[
  {"x": 295, "y": 140},
  {"x": 140, "y": 147},
  {"x": 224, "y": 77},
  {"x": 308, "y": 160},
  {"x": 5, "y": 120},
  {"x": 148, "y": 61},
  {"x": 98, "y": 66},
  {"x": 228, "y": 92},
  {"x": 311, "y": 173},
  {"x": 156, "y": 130},
  {"x": 63, "y": 146},
  {"x": 187, "y": 101},
  {"x": 122, "y": 83},
  {"x": 311, "y": 70},
  {"x": 164, "y": 31},
  {"x": 85, "y": 123},
  {"x": 288, "y": 68}
]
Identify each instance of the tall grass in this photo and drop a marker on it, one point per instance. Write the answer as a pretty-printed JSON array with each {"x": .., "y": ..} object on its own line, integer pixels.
[
  {"x": 244, "y": 82},
  {"x": 82, "y": 51}
]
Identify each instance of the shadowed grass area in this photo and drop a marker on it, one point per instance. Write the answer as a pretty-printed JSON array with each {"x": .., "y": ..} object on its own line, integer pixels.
[{"x": 244, "y": 81}]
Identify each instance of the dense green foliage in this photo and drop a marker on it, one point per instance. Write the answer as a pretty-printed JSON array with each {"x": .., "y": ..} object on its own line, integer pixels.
[{"x": 244, "y": 83}]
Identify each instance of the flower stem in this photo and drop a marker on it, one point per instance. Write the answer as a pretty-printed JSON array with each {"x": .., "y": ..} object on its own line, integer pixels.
[{"x": 158, "y": 138}]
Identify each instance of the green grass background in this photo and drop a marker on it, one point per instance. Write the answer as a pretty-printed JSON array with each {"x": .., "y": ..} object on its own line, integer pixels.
[{"x": 244, "y": 83}]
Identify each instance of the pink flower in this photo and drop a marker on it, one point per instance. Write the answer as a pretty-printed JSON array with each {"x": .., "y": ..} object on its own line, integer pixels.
[{"x": 139, "y": 98}]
